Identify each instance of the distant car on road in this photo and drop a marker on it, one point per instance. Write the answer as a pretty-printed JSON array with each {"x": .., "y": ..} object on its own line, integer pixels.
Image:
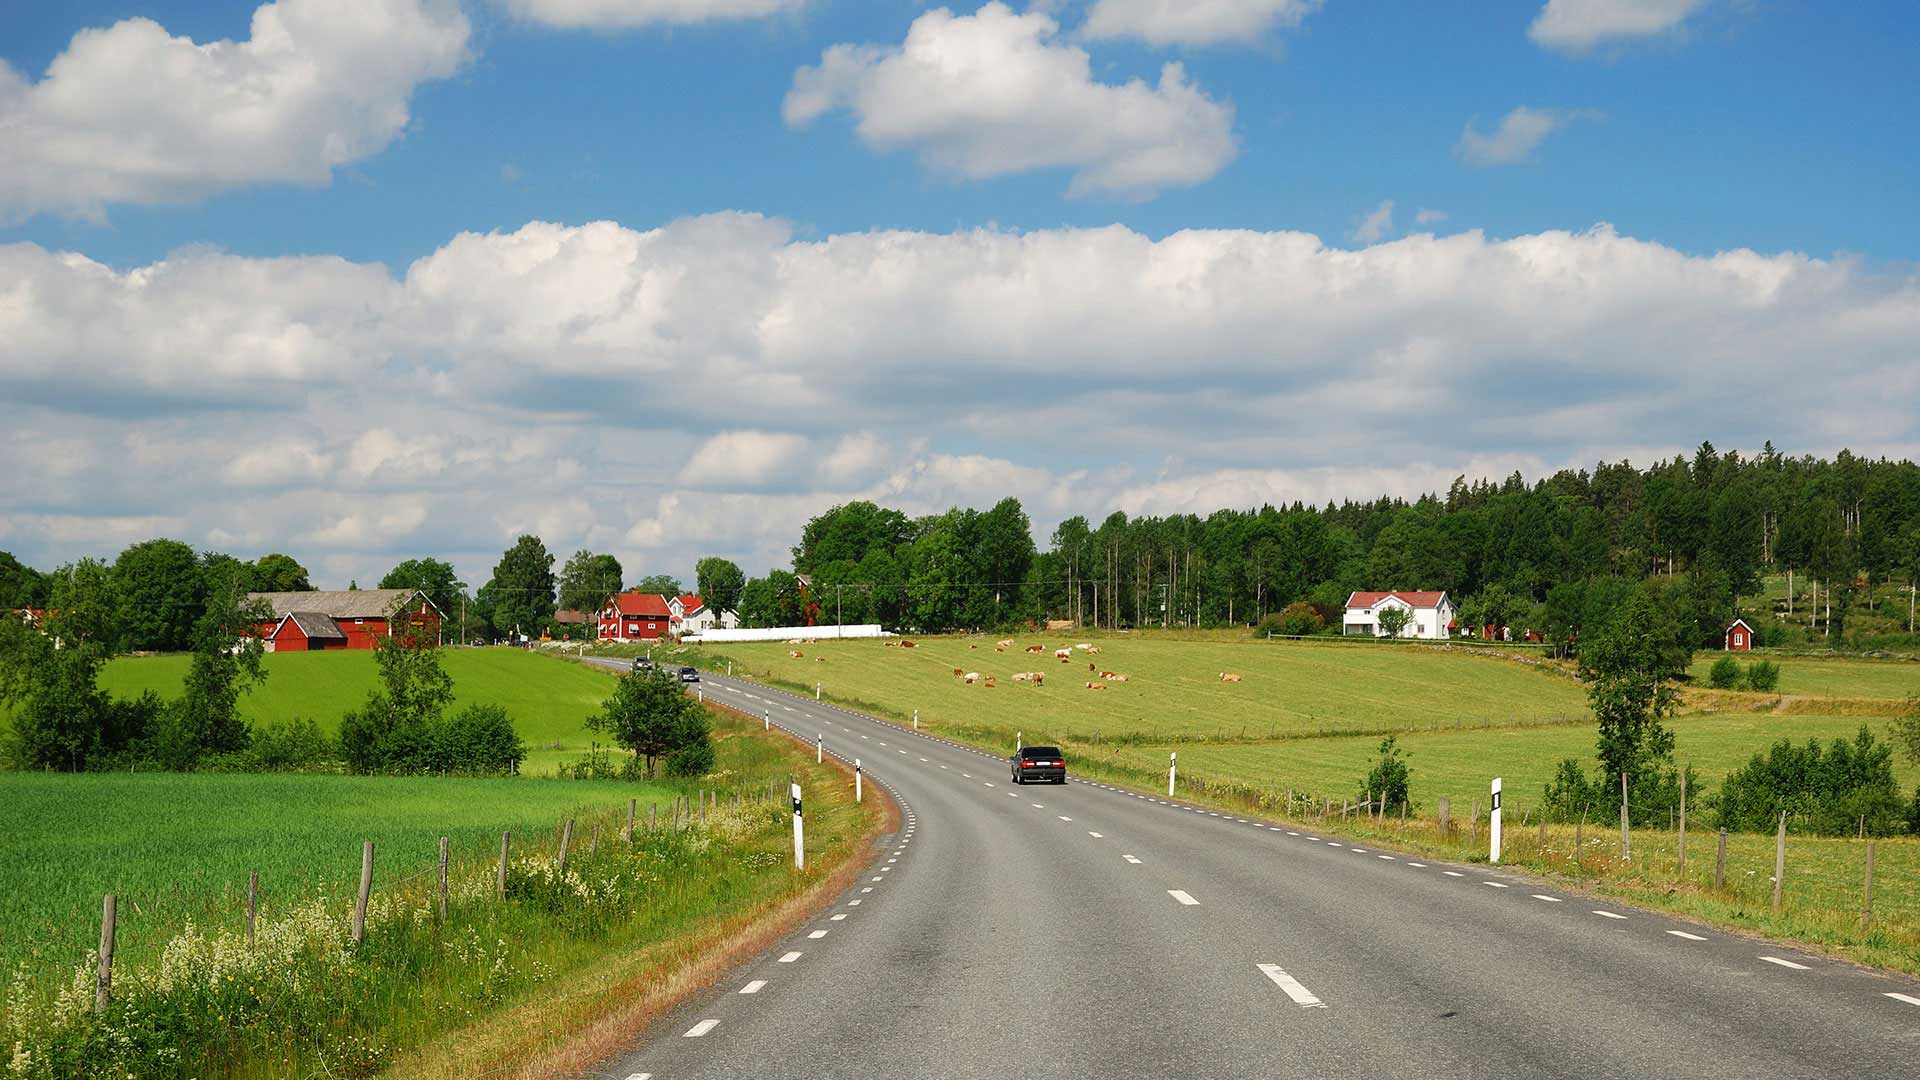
[
  {"x": 1044, "y": 764},
  {"x": 689, "y": 674},
  {"x": 643, "y": 663}
]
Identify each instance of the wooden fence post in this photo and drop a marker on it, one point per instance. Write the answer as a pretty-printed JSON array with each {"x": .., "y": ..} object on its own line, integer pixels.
[
  {"x": 1474, "y": 823},
  {"x": 103, "y": 978},
  {"x": 1682, "y": 869},
  {"x": 1446, "y": 812},
  {"x": 1626, "y": 848},
  {"x": 1720, "y": 862},
  {"x": 566, "y": 837},
  {"x": 1540, "y": 842},
  {"x": 443, "y": 879},
  {"x": 632, "y": 806},
  {"x": 1779, "y": 860},
  {"x": 500, "y": 885},
  {"x": 366, "y": 888},
  {"x": 253, "y": 903},
  {"x": 1580, "y": 840},
  {"x": 1866, "y": 893}
]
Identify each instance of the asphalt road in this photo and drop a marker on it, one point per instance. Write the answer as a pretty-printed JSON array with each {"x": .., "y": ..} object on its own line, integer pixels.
[{"x": 1060, "y": 931}]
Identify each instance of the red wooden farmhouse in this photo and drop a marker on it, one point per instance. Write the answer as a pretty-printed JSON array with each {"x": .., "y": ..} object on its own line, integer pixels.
[
  {"x": 352, "y": 619},
  {"x": 635, "y": 616},
  {"x": 1739, "y": 637}
]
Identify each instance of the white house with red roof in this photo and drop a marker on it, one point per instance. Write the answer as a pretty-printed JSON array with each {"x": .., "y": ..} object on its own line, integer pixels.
[
  {"x": 1431, "y": 613},
  {"x": 691, "y": 615},
  {"x": 635, "y": 616}
]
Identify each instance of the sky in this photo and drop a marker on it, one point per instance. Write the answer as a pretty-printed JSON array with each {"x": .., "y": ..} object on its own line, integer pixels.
[{"x": 366, "y": 280}]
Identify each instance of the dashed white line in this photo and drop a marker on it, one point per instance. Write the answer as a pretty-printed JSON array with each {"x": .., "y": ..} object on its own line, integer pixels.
[
  {"x": 1388, "y": 857},
  {"x": 867, "y": 889},
  {"x": 1037, "y": 806},
  {"x": 1064, "y": 817},
  {"x": 1495, "y": 884},
  {"x": 1358, "y": 850},
  {"x": 1095, "y": 835},
  {"x": 1181, "y": 895},
  {"x": 838, "y": 917},
  {"x": 817, "y": 934},
  {"x": 1784, "y": 963},
  {"x": 1453, "y": 873},
  {"x": 1548, "y": 899},
  {"x": 1906, "y": 998},
  {"x": 1609, "y": 914},
  {"x": 753, "y": 987},
  {"x": 876, "y": 879},
  {"x": 1301, "y": 996},
  {"x": 1418, "y": 865},
  {"x": 1131, "y": 859},
  {"x": 701, "y": 1028},
  {"x": 1684, "y": 934},
  {"x": 853, "y": 903}
]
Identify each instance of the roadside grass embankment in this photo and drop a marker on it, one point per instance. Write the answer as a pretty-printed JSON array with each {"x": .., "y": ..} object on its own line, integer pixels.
[
  {"x": 473, "y": 994},
  {"x": 1239, "y": 749}
]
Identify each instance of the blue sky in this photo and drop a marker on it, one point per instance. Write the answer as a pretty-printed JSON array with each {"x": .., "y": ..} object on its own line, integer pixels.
[{"x": 293, "y": 293}]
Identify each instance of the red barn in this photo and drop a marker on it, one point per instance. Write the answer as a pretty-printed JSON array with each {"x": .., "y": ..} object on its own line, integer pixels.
[
  {"x": 1739, "y": 637},
  {"x": 633, "y": 616},
  {"x": 352, "y": 619}
]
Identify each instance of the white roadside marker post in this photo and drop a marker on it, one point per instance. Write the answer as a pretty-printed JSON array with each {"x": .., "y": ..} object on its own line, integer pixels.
[
  {"x": 700, "y": 695},
  {"x": 766, "y": 717},
  {"x": 819, "y": 748},
  {"x": 856, "y": 779},
  {"x": 1493, "y": 819},
  {"x": 816, "y": 691},
  {"x": 729, "y": 669},
  {"x": 799, "y": 847},
  {"x": 916, "y": 719},
  {"x": 1171, "y": 756},
  {"x": 1018, "y": 743}
]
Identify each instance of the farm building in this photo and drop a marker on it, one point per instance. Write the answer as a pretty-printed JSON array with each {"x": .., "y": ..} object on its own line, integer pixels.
[
  {"x": 1739, "y": 637},
  {"x": 350, "y": 619},
  {"x": 1430, "y": 613},
  {"x": 688, "y": 614},
  {"x": 634, "y": 616}
]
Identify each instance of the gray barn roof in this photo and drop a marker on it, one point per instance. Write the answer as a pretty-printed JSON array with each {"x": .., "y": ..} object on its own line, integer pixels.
[
  {"x": 343, "y": 604},
  {"x": 316, "y": 625}
]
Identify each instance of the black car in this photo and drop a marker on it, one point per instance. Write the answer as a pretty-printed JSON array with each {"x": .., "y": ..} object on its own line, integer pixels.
[
  {"x": 1039, "y": 763},
  {"x": 643, "y": 663},
  {"x": 689, "y": 674}
]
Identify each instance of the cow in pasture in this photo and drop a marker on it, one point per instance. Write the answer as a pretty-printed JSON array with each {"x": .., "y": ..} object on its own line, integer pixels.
[
  {"x": 971, "y": 677},
  {"x": 795, "y": 653},
  {"x": 1228, "y": 676},
  {"x": 1036, "y": 648},
  {"x": 1063, "y": 654},
  {"x": 1093, "y": 650},
  {"x": 1116, "y": 677},
  {"x": 959, "y": 671},
  {"x": 1007, "y": 644},
  {"x": 1096, "y": 686},
  {"x": 908, "y": 645}
]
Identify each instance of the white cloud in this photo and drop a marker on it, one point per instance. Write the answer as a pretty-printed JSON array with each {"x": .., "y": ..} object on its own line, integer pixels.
[
  {"x": 319, "y": 84},
  {"x": 1193, "y": 22},
  {"x": 1430, "y": 217},
  {"x": 993, "y": 93},
  {"x": 1578, "y": 25},
  {"x": 1519, "y": 133},
  {"x": 1375, "y": 225},
  {"x": 627, "y": 14},
  {"x": 555, "y": 378}
]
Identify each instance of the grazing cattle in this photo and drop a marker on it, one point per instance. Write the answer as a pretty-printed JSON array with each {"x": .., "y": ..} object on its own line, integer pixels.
[
  {"x": 1084, "y": 646},
  {"x": 1096, "y": 686},
  {"x": 1063, "y": 654},
  {"x": 1091, "y": 666},
  {"x": 891, "y": 644},
  {"x": 793, "y": 641},
  {"x": 908, "y": 645},
  {"x": 795, "y": 653},
  {"x": 1021, "y": 676},
  {"x": 973, "y": 646},
  {"x": 1228, "y": 676},
  {"x": 1038, "y": 678},
  {"x": 1105, "y": 674},
  {"x": 1116, "y": 677},
  {"x": 1007, "y": 644},
  {"x": 1036, "y": 648},
  {"x": 971, "y": 677},
  {"x": 1093, "y": 650},
  {"x": 819, "y": 659},
  {"x": 959, "y": 671}
]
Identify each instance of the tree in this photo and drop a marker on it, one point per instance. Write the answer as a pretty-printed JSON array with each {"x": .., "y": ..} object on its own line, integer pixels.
[
  {"x": 162, "y": 593},
  {"x": 21, "y": 586},
  {"x": 587, "y": 580},
  {"x": 720, "y": 582},
  {"x": 1387, "y": 780},
  {"x": 431, "y": 576},
  {"x": 1628, "y": 665},
  {"x": 225, "y": 665},
  {"x": 522, "y": 587},
  {"x": 1394, "y": 619},
  {"x": 1300, "y": 618},
  {"x": 658, "y": 584},
  {"x": 759, "y": 604},
  {"x": 50, "y": 677},
  {"x": 394, "y": 732},
  {"x": 279, "y": 573},
  {"x": 650, "y": 714}
]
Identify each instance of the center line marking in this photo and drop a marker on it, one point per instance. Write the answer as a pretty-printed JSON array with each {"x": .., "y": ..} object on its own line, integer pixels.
[
  {"x": 1359, "y": 850},
  {"x": 701, "y": 1028},
  {"x": 1684, "y": 934},
  {"x": 838, "y": 917},
  {"x": 1903, "y": 997},
  {"x": 817, "y": 934},
  {"x": 1548, "y": 899},
  {"x": 1301, "y": 996},
  {"x": 1611, "y": 915},
  {"x": 1037, "y": 806},
  {"x": 867, "y": 889},
  {"x": 1784, "y": 963},
  {"x": 1181, "y": 896},
  {"x": 1418, "y": 865},
  {"x": 1131, "y": 859},
  {"x": 753, "y": 987},
  {"x": 1095, "y": 835},
  {"x": 1064, "y": 817},
  {"x": 1495, "y": 884},
  {"x": 1453, "y": 873},
  {"x": 853, "y": 903},
  {"x": 1383, "y": 856}
]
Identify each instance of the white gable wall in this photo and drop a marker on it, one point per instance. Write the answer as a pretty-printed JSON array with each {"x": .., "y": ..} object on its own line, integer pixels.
[{"x": 1429, "y": 623}]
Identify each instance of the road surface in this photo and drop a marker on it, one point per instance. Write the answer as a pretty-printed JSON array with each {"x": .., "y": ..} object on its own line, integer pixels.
[{"x": 1064, "y": 931}]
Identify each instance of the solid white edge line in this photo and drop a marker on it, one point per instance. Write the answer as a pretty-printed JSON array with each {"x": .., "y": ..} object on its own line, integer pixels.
[
  {"x": 1301, "y": 996},
  {"x": 1906, "y": 998},
  {"x": 1784, "y": 963},
  {"x": 701, "y": 1028}
]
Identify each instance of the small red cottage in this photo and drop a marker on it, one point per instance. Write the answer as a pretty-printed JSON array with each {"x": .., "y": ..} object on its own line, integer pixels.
[
  {"x": 312, "y": 621},
  {"x": 634, "y": 616},
  {"x": 1739, "y": 637}
]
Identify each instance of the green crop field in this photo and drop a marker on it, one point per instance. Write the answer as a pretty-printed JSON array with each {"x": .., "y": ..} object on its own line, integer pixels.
[
  {"x": 1828, "y": 676},
  {"x": 1173, "y": 688},
  {"x": 548, "y": 700}
]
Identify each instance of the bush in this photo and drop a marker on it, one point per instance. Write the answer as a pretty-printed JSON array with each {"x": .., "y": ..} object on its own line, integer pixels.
[
  {"x": 1387, "y": 780},
  {"x": 296, "y": 745},
  {"x": 477, "y": 740},
  {"x": 693, "y": 759},
  {"x": 1653, "y": 795},
  {"x": 1825, "y": 791},
  {"x": 1300, "y": 619},
  {"x": 1763, "y": 676},
  {"x": 1270, "y": 623},
  {"x": 1725, "y": 674}
]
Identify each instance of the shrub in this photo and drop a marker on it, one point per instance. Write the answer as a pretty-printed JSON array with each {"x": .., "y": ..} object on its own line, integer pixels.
[
  {"x": 693, "y": 759},
  {"x": 1763, "y": 676},
  {"x": 1300, "y": 619},
  {"x": 1270, "y": 623},
  {"x": 478, "y": 739},
  {"x": 1387, "y": 780},
  {"x": 1828, "y": 791},
  {"x": 1725, "y": 673}
]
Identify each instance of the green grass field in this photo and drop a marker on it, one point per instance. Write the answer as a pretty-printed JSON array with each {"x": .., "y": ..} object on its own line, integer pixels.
[
  {"x": 548, "y": 700},
  {"x": 1173, "y": 689},
  {"x": 1829, "y": 677}
]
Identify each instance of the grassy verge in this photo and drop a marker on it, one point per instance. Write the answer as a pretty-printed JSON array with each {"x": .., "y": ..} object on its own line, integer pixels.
[{"x": 303, "y": 1000}]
